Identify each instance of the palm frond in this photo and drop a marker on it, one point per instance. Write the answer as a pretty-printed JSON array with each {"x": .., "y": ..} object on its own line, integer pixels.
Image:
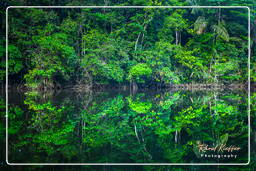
[
  {"x": 193, "y": 3},
  {"x": 200, "y": 25},
  {"x": 221, "y": 31}
]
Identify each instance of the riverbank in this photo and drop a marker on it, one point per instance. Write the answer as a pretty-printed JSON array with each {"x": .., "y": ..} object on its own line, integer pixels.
[{"x": 187, "y": 86}]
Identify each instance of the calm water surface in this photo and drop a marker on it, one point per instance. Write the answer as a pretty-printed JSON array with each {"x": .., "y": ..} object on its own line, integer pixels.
[{"x": 123, "y": 127}]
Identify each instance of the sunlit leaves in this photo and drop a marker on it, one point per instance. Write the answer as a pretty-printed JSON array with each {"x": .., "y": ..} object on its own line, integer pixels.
[
  {"x": 139, "y": 107},
  {"x": 139, "y": 70},
  {"x": 189, "y": 116},
  {"x": 223, "y": 109},
  {"x": 227, "y": 70},
  {"x": 188, "y": 59},
  {"x": 176, "y": 21}
]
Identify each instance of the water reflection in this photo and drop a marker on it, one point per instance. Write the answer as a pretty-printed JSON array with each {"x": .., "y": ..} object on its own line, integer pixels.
[{"x": 123, "y": 127}]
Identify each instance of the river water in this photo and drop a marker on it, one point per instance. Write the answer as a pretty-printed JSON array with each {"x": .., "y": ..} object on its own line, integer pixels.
[{"x": 128, "y": 127}]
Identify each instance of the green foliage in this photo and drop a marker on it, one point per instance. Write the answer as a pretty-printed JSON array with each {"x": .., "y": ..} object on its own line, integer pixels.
[
  {"x": 107, "y": 46},
  {"x": 166, "y": 105},
  {"x": 223, "y": 109},
  {"x": 221, "y": 32},
  {"x": 189, "y": 116},
  {"x": 48, "y": 47},
  {"x": 55, "y": 57},
  {"x": 176, "y": 20},
  {"x": 15, "y": 114},
  {"x": 227, "y": 70},
  {"x": 139, "y": 107},
  {"x": 138, "y": 71},
  {"x": 14, "y": 60},
  {"x": 130, "y": 128},
  {"x": 169, "y": 76}
]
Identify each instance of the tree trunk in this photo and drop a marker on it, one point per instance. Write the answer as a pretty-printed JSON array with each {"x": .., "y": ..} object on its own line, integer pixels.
[
  {"x": 179, "y": 37},
  {"x": 176, "y": 37},
  {"x": 136, "y": 43},
  {"x": 176, "y": 136},
  {"x": 136, "y": 133},
  {"x": 219, "y": 14},
  {"x": 142, "y": 39}
]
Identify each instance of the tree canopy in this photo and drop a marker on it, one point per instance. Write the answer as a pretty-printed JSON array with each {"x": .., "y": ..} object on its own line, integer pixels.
[{"x": 51, "y": 47}]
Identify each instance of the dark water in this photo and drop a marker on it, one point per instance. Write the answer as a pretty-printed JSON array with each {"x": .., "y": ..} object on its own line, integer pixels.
[{"x": 124, "y": 127}]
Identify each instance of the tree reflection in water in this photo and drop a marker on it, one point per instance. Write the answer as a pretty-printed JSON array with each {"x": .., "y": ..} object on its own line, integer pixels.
[{"x": 123, "y": 127}]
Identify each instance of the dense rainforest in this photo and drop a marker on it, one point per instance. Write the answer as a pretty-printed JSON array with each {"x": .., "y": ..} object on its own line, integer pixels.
[
  {"x": 53, "y": 48},
  {"x": 84, "y": 48}
]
